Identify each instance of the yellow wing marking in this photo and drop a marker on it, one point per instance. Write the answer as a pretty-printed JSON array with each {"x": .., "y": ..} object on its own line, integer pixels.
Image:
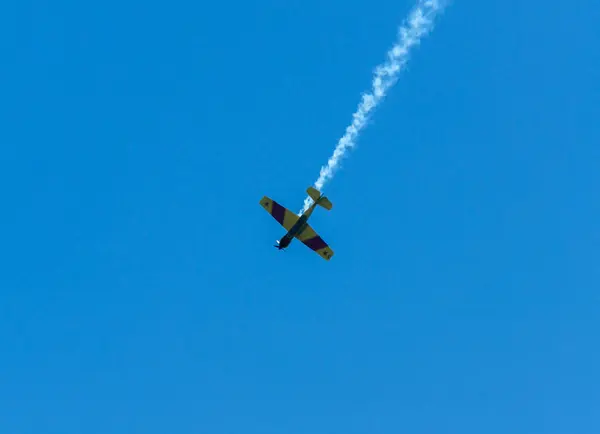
[
  {"x": 284, "y": 216},
  {"x": 311, "y": 239}
]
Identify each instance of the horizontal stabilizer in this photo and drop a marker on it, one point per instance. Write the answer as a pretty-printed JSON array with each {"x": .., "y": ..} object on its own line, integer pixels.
[
  {"x": 325, "y": 203},
  {"x": 313, "y": 193},
  {"x": 316, "y": 196}
]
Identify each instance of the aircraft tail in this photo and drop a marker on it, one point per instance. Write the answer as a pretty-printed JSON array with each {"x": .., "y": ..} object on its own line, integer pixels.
[{"x": 319, "y": 198}]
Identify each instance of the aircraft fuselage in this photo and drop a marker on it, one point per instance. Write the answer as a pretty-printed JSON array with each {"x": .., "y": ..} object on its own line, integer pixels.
[{"x": 296, "y": 229}]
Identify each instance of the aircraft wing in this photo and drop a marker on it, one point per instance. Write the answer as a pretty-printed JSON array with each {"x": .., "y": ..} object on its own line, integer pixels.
[
  {"x": 311, "y": 239},
  {"x": 284, "y": 216}
]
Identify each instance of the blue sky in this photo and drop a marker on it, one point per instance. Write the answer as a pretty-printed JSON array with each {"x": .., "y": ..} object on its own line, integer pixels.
[{"x": 140, "y": 291}]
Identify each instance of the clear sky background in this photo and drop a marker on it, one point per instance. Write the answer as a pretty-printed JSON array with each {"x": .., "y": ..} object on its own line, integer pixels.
[{"x": 139, "y": 289}]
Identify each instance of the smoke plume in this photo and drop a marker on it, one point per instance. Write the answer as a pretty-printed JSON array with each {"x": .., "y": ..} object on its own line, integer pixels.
[{"x": 419, "y": 23}]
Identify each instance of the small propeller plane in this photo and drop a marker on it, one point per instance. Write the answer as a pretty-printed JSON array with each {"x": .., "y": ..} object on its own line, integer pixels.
[{"x": 297, "y": 226}]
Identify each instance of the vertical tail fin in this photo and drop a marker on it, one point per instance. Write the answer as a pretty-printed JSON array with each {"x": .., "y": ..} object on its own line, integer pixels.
[{"x": 319, "y": 198}]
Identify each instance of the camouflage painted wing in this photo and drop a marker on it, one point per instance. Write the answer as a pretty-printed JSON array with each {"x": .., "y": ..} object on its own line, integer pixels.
[
  {"x": 284, "y": 216},
  {"x": 311, "y": 239}
]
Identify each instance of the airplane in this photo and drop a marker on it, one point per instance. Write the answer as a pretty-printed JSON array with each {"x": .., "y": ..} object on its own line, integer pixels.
[{"x": 297, "y": 226}]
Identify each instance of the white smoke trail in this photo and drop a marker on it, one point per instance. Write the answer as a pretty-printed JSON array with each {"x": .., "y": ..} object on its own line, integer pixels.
[{"x": 418, "y": 24}]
